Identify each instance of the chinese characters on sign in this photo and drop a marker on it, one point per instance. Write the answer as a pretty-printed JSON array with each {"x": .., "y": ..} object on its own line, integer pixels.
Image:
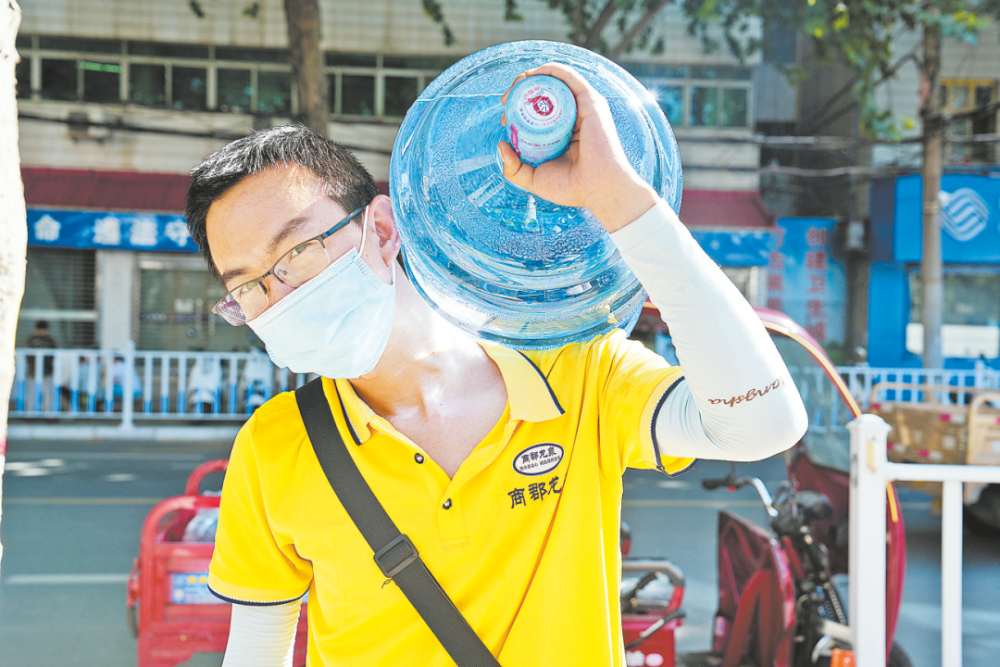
[
  {"x": 804, "y": 281},
  {"x": 108, "y": 231}
]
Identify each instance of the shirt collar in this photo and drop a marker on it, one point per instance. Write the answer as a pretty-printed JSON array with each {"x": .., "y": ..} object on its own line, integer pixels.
[
  {"x": 528, "y": 391},
  {"x": 529, "y": 394}
]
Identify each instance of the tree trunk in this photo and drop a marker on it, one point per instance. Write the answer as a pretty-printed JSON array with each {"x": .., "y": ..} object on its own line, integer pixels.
[
  {"x": 13, "y": 218},
  {"x": 636, "y": 29},
  {"x": 597, "y": 27},
  {"x": 305, "y": 51},
  {"x": 931, "y": 265}
]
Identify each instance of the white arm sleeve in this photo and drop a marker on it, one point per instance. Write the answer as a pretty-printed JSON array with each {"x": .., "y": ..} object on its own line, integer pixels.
[
  {"x": 262, "y": 636},
  {"x": 737, "y": 401}
]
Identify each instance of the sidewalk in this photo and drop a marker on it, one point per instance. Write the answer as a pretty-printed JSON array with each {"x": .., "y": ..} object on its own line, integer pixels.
[{"x": 88, "y": 431}]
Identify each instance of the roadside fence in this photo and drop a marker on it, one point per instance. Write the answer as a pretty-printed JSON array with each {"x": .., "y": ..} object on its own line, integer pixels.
[
  {"x": 861, "y": 379},
  {"x": 67, "y": 384},
  {"x": 129, "y": 385}
]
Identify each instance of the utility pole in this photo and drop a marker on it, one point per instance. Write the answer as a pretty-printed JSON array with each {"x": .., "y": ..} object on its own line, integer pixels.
[{"x": 931, "y": 266}]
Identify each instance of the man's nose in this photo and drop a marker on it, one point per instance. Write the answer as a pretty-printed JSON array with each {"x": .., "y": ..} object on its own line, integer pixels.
[{"x": 276, "y": 290}]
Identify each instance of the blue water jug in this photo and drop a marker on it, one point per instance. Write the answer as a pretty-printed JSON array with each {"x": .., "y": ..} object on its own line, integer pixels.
[{"x": 490, "y": 257}]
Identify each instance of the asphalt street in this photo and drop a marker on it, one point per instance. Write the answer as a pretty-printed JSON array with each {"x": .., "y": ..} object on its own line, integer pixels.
[{"x": 72, "y": 513}]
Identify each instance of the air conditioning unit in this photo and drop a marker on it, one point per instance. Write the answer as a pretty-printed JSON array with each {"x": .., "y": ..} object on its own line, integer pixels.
[{"x": 88, "y": 124}]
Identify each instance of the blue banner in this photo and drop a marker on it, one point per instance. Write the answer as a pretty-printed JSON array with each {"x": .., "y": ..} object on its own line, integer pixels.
[
  {"x": 736, "y": 248},
  {"x": 108, "y": 231},
  {"x": 156, "y": 232},
  {"x": 803, "y": 279}
]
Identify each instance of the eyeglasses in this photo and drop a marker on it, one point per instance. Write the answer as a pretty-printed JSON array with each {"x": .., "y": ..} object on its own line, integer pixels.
[{"x": 295, "y": 268}]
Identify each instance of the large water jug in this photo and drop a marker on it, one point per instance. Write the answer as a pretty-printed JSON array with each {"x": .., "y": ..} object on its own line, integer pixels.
[{"x": 491, "y": 258}]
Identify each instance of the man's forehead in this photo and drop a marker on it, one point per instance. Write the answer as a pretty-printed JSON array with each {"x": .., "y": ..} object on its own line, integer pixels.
[
  {"x": 279, "y": 182},
  {"x": 242, "y": 224}
]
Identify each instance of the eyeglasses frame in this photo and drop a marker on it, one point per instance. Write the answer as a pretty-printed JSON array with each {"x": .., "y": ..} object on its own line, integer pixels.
[{"x": 270, "y": 272}]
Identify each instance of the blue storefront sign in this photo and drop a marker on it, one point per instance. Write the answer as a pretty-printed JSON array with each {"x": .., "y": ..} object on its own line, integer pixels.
[
  {"x": 970, "y": 219},
  {"x": 59, "y": 228},
  {"x": 736, "y": 248},
  {"x": 804, "y": 281},
  {"x": 108, "y": 231},
  {"x": 970, "y": 244}
]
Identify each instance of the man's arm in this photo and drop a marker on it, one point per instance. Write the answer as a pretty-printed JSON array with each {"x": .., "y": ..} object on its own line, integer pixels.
[
  {"x": 262, "y": 636},
  {"x": 737, "y": 400}
]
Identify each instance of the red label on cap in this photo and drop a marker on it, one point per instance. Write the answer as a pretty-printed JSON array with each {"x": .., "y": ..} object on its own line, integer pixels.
[{"x": 542, "y": 105}]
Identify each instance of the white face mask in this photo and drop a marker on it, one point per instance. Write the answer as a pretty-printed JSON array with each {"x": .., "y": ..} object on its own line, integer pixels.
[{"x": 336, "y": 325}]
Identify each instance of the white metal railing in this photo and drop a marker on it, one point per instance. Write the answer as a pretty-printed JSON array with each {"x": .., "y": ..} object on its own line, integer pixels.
[
  {"x": 861, "y": 379},
  {"x": 163, "y": 385},
  {"x": 870, "y": 473}
]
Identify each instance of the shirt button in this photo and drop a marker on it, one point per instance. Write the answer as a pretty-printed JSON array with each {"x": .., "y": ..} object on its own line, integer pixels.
[
  {"x": 447, "y": 504},
  {"x": 419, "y": 458}
]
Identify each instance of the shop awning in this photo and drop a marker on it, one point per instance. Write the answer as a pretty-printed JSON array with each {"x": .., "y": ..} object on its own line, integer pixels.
[
  {"x": 727, "y": 208},
  {"x": 129, "y": 191}
]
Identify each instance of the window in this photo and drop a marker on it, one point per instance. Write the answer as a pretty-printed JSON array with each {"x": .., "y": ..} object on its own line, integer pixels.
[
  {"x": 967, "y": 95},
  {"x": 160, "y": 50},
  {"x": 59, "y": 288},
  {"x": 147, "y": 84},
  {"x": 274, "y": 93},
  {"x": 698, "y": 95},
  {"x": 23, "y": 73},
  {"x": 199, "y": 77},
  {"x": 235, "y": 90},
  {"x": 671, "y": 99},
  {"x": 734, "y": 107},
  {"x": 251, "y": 54},
  {"x": 704, "y": 106},
  {"x": 101, "y": 81},
  {"x": 357, "y": 95},
  {"x": 176, "y": 295},
  {"x": 189, "y": 86},
  {"x": 400, "y": 93},
  {"x": 109, "y": 46},
  {"x": 971, "y": 313},
  {"x": 59, "y": 80}
]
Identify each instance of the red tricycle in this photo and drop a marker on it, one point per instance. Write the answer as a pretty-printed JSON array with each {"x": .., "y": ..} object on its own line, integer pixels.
[{"x": 171, "y": 612}]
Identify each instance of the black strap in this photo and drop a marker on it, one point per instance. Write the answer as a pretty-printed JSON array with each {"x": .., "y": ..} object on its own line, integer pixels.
[{"x": 395, "y": 555}]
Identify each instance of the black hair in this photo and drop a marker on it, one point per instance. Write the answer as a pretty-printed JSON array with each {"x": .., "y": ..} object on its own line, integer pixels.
[
  {"x": 41, "y": 324},
  {"x": 347, "y": 181}
]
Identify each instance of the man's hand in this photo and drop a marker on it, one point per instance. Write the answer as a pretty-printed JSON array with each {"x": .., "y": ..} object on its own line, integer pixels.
[{"x": 593, "y": 172}]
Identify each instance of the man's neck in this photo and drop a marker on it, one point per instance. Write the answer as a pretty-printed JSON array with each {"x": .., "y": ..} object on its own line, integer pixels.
[{"x": 426, "y": 359}]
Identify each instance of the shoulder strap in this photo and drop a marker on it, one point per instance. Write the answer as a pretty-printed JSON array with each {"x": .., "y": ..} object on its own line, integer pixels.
[{"x": 395, "y": 554}]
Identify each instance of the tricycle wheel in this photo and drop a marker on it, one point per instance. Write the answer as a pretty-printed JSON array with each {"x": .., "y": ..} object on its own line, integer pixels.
[{"x": 983, "y": 516}]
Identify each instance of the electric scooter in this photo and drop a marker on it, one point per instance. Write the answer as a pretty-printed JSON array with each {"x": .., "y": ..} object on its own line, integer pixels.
[{"x": 778, "y": 604}]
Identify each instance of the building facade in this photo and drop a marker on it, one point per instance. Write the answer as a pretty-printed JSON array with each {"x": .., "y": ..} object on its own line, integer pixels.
[{"x": 119, "y": 99}]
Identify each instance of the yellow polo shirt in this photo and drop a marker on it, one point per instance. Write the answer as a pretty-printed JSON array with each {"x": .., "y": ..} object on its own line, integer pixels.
[{"x": 524, "y": 538}]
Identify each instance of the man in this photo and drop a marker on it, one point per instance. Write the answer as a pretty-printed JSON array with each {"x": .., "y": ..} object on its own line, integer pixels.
[
  {"x": 41, "y": 338},
  {"x": 503, "y": 468}
]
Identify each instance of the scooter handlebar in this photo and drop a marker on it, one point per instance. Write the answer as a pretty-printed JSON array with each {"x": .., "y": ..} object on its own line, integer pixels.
[{"x": 712, "y": 483}]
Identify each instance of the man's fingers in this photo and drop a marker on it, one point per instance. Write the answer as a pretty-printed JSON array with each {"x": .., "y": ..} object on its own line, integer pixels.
[{"x": 514, "y": 170}]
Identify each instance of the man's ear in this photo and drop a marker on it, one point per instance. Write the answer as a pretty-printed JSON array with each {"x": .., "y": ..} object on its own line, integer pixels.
[{"x": 385, "y": 228}]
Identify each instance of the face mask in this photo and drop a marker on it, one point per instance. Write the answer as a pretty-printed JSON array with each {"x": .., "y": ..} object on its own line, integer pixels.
[{"x": 336, "y": 325}]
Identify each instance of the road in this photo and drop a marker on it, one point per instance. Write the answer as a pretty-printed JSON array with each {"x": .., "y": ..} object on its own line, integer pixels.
[{"x": 72, "y": 513}]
